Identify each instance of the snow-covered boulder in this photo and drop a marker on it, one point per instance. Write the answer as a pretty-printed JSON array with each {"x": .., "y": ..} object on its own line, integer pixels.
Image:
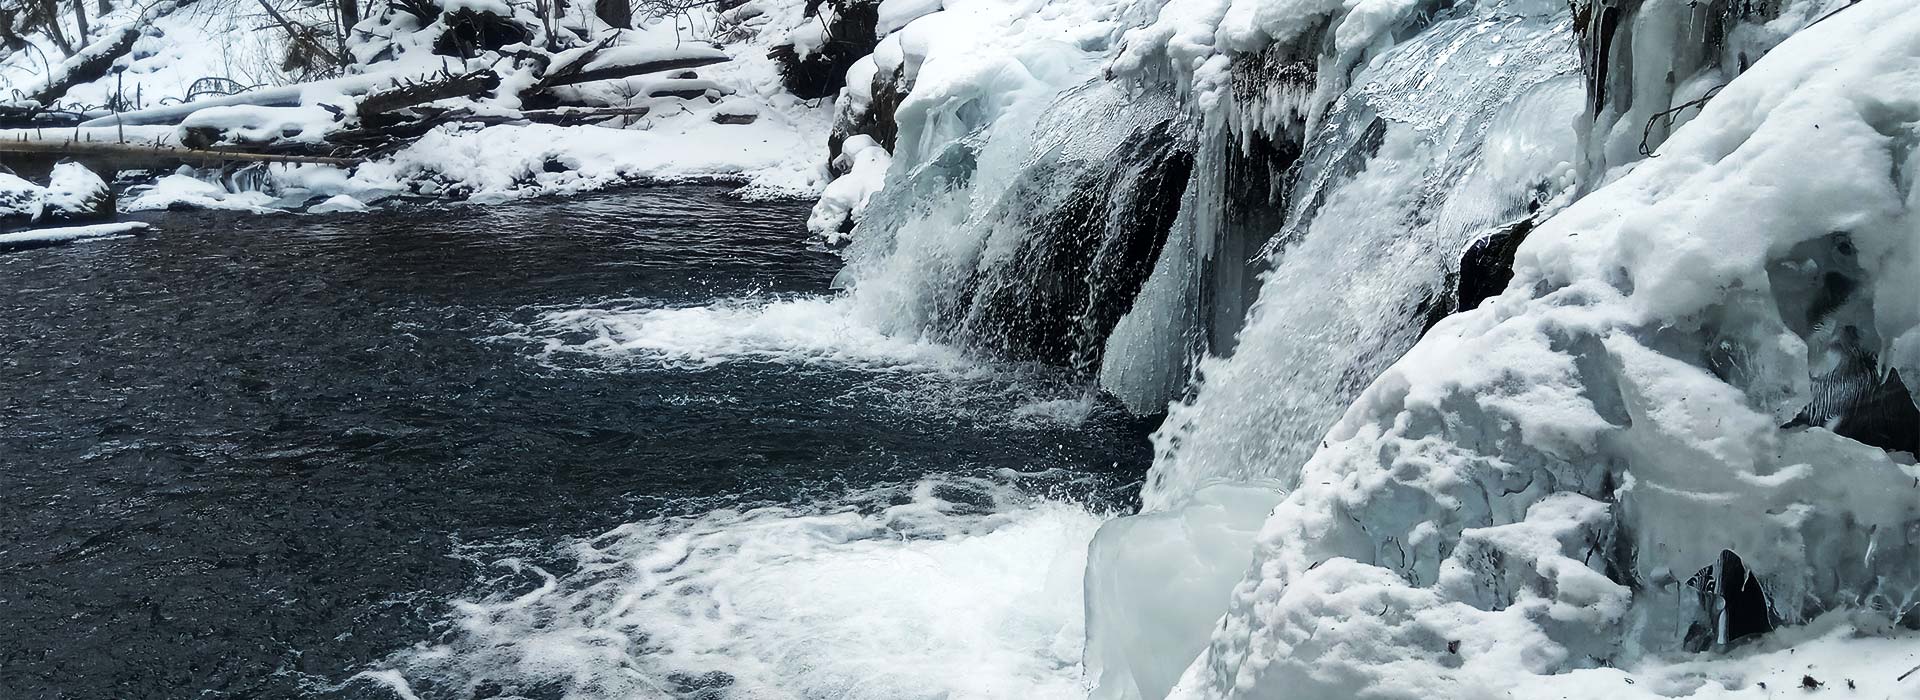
[
  {"x": 337, "y": 204},
  {"x": 846, "y": 198},
  {"x": 19, "y": 199},
  {"x": 1636, "y": 450},
  {"x": 74, "y": 194}
]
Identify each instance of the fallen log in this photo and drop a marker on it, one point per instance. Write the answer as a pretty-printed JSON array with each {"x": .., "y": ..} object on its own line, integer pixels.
[
  {"x": 93, "y": 61},
  {"x": 630, "y": 61},
  {"x": 376, "y": 141},
  {"x": 415, "y": 94},
  {"x": 284, "y": 96},
  {"x": 134, "y": 152},
  {"x": 574, "y": 116},
  {"x": 90, "y": 64}
]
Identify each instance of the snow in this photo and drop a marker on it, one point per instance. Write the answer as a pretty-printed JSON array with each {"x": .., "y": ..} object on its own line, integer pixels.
[
  {"x": 182, "y": 189},
  {"x": 19, "y": 199},
  {"x": 846, "y": 198},
  {"x": 895, "y": 14},
  {"x": 506, "y": 162},
  {"x": 780, "y": 154},
  {"x": 247, "y": 124},
  {"x": 69, "y": 234},
  {"x": 1517, "y": 505},
  {"x": 337, "y": 204},
  {"x": 73, "y": 193}
]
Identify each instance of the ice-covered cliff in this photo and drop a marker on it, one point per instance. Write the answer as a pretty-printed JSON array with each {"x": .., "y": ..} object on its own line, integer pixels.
[
  {"x": 1603, "y": 464},
  {"x": 1535, "y": 348}
]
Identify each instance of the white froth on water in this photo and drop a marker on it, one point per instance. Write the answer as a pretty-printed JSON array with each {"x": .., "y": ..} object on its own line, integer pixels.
[
  {"x": 795, "y": 330},
  {"x": 947, "y": 588},
  {"x": 912, "y": 374}
]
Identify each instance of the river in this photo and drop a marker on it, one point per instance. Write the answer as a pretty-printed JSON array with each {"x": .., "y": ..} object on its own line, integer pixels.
[{"x": 622, "y": 445}]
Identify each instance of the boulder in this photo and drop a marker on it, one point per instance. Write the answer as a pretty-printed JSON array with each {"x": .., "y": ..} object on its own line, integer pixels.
[{"x": 74, "y": 195}]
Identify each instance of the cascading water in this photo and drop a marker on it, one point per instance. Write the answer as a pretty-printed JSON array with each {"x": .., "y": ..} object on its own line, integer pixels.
[
  {"x": 1461, "y": 128},
  {"x": 1029, "y": 245}
]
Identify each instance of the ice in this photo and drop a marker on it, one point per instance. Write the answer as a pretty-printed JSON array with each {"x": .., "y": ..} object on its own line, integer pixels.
[
  {"x": 1544, "y": 492},
  {"x": 1157, "y": 583},
  {"x": 69, "y": 234},
  {"x": 1419, "y": 158},
  {"x": 184, "y": 189}
]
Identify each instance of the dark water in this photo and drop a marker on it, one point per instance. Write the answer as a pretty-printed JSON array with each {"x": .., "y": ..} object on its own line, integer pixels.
[{"x": 237, "y": 457}]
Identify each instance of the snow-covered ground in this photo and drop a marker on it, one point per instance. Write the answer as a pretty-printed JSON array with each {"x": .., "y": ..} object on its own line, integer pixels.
[{"x": 746, "y": 129}]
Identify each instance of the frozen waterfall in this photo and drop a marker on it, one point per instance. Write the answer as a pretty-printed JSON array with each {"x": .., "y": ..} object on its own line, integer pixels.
[{"x": 1685, "y": 421}]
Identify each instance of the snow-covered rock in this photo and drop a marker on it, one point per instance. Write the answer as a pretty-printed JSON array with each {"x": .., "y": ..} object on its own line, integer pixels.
[
  {"x": 19, "y": 199},
  {"x": 73, "y": 195},
  {"x": 846, "y": 198},
  {"x": 337, "y": 204}
]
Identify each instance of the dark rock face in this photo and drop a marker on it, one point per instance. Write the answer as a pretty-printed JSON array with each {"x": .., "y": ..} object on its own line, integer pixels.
[
  {"x": 1058, "y": 297},
  {"x": 1257, "y": 174},
  {"x": 1824, "y": 296},
  {"x": 849, "y": 38},
  {"x": 1487, "y": 266},
  {"x": 877, "y": 122},
  {"x": 1733, "y": 604}
]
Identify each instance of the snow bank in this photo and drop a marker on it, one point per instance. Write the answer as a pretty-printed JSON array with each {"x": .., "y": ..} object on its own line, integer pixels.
[
  {"x": 500, "y": 163},
  {"x": 1561, "y": 488},
  {"x": 676, "y": 125}
]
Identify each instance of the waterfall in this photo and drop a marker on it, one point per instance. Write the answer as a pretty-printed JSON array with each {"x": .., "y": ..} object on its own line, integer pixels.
[
  {"x": 1028, "y": 243},
  {"x": 1320, "y": 192},
  {"x": 1460, "y": 129}
]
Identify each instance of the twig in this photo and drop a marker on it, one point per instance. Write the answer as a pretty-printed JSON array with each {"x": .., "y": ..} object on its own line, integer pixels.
[{"x": 1646, "y": 134}]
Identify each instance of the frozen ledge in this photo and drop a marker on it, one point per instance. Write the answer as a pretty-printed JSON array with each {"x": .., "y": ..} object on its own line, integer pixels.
[{"x": 41, "y": 238}]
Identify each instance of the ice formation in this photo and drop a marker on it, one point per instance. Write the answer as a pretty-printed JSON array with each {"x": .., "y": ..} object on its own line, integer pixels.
[
  {"x": 1563, "y": 478},
  {"x": 1680, "y": 419}
]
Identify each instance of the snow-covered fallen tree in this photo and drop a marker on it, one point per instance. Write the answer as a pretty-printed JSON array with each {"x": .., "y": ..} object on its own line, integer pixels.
[{"x": 473, "y": 73}]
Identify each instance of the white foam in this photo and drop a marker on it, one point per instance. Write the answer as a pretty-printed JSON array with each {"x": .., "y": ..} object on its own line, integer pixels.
[
  {"x": 948, "y": 588},
  {"x": 803, "y": 330}
]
